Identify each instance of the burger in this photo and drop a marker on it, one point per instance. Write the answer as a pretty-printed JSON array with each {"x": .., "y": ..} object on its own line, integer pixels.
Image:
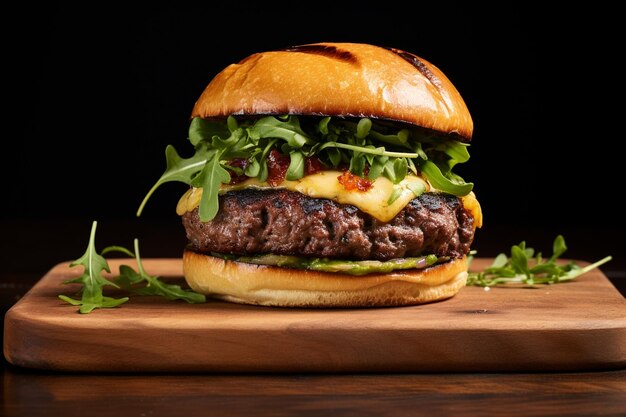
[{"x": 323, "y": 177}]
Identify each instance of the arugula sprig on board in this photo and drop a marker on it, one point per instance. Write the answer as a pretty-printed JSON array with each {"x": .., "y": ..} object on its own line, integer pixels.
[
  {"x": 525, "y": 268},
  {"x": 368, "y": 148},
  {"x": 140, "y": 282},
  {"x": 92, "y": 280}
]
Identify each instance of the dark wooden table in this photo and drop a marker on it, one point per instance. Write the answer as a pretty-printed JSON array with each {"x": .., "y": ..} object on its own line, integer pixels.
[
  {"x": 577, "y": 394},
  {"x": 36, "y": 393}
]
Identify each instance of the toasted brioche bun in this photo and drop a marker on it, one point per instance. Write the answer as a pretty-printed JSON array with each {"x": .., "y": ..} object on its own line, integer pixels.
[
  {"x": 284, "y": 287},
  {"x": 342, "y": 80},
  {"x": 339, "y": 79}
]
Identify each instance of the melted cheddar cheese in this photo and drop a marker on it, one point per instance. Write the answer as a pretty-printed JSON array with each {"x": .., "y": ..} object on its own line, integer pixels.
[{"x": 325, "y": 184}]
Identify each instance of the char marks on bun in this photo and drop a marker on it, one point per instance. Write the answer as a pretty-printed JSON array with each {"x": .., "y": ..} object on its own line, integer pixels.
[{"x": 339, "y": 79}]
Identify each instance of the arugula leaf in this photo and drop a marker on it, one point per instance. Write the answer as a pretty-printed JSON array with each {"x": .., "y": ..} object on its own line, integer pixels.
[
  {"x": 363, "y": 128},
  {"x": 417, "y": 187},
  {"x": 203, "y": 129},
  {"x": 129, "y": 278},
  {"x": 377, "y": 147},
  {"x": 120, "y": 249},
  {"x": 439, "y": 181},
  {"x": 296, "y": 166},
  {"x": 92, "y": 280},
  {"x": 395, "y": 194},
  {"x": 456, "y": 150},
  {"x": 335, "y": 156},
  {"x": 233, "y": 144},
  {"x": 400, "y": 139},
  {"x": 210, "y": 179},
  {"x": 522, "y": 268},
  {"x": 253, "y": 168},
  {"x": 420, "y": 151},
  {"x": 178, "y": 169},
  {"x": 289, "y": 130},
  {"x": 232, "y": 124},
  {"x": 558, "y": 248},
  {"x": 263, "y": 171},
  {"x": 357, "y": 164},
  {"x": 374, "y": 151},
  {"x": 400, "y": 169},
  {"x": 377, "y": 166}
]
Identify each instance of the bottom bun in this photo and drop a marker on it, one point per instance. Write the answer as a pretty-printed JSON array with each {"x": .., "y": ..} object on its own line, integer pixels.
[{"x": 285, "y": 287}]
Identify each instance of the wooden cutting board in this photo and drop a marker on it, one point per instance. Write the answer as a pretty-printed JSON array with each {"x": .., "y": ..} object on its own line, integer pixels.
[{"x": 579, "y": 325}]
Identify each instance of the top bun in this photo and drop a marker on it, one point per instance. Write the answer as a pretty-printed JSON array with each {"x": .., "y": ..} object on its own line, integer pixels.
[{"x": 339, "y": 79}]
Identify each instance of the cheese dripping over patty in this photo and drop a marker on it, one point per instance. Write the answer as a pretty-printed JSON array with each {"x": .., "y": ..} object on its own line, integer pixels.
[{"x": 325, "y": 184}]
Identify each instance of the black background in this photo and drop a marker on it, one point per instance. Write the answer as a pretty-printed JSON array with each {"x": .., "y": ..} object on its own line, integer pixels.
[{"x": 94, "y": 96}]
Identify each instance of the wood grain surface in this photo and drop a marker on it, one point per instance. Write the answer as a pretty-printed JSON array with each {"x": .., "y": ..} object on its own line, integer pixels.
[
  {"x": 34, "y": 394},
  {"x": 574, "y": 326}
]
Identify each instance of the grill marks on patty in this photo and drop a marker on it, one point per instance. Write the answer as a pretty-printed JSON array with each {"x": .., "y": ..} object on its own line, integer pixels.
[{"x": 284, "y": 222}]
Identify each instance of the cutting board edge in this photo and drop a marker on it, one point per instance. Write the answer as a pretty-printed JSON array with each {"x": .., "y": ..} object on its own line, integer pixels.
[
  {"x": 616, "y": 359},
  {"x": 483, "y": 359}
]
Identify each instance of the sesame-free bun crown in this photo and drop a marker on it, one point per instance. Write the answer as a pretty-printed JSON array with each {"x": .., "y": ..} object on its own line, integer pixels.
[{"x": 339, "y": 79}]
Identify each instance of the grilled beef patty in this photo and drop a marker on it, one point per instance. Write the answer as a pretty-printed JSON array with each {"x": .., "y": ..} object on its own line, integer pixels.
[{"x": 278, "y": 221}]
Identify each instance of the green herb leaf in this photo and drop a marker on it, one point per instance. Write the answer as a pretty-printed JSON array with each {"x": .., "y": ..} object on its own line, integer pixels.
[
  {"x": 357, "y": 164},
  {"x": 296, "y": 166},
  {"x": 439, "y": 181},
  {"x": 289, "y": 130},
  {"x": 201, "y": 129},
  {"x": 335, "y": 156},
  {"x": 232, "y": 144},
  {"x": 389, "y": 172},
  {"x": 519, "y": 261},
  {"x": 380, "y": 146},
  {"x": 395, "y": 169},
  {"x": 456, "y": 150},
  {"x": 374, "y": 151},
  {"x": 323, "y": 125},
  {"x": 210, "y": 179},
  {"x": 178, "y": 169},
  {"x": 232, "y": 124},
  {"x": 420, "y": 151},
  {"x": 400, "y": 168},
  {"x": 522, "y": 269},
  {"x": 120, "y": 249},
  {"x": 264, "y": 171},
  {"x": 395, "y": 194},
  {"x": 129, "y": 279},
  {"x": 363, "y": 128},
  {"x": 377, "y": 167},
  {"x": 92, "y": 280},
  {"x": 253, "y": 168},
  {"x": 400, "y": 139},
  {"x": 500, "y": 261},
  {"x": 417, "y": 187},
  {"x": 558, "y": 248}
]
